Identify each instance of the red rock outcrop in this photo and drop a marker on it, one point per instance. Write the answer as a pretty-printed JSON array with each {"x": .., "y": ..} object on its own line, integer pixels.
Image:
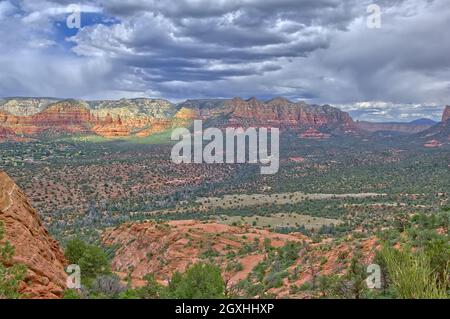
[
  {"x": 446, "y": 115},
  {"x": 284, "y": 113},
  {"x": 164, "y": 248},
  {"x": 75, "y": 117},
  {"x": 34, "y": 247},
  {"x": 314, "y": 134},
  {"x": 66, "y": 116},
  {"x": 181, "y": 243},
  {"x": 433, "y": 144},
  {"x": 185, "y": 114},
  {"x": 156, "y": 126},
  {"x": 7, "y": 134},
  {"x": 278, "y": 112}
]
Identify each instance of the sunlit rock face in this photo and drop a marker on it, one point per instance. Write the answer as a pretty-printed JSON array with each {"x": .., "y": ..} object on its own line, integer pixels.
[{"x": 143, "y": 117}]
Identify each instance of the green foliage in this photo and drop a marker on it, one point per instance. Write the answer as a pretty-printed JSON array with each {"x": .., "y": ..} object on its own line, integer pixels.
[
  {"x": 71, "y": 294},
  {"x": 274, "y": 280},
  {"x": 353, "y": 283},
  {"x": 75, "y": 249},
  {"x": 92, "y": 260},
  {"x": 10, "y": 276},
  {"x": 413, "y": 274},
  {"x": 130, "y": 294},
  {"x": 356, "y": 167},
  {"x": 152, "y": 290},
  {"x": 306, "y": 286},
  {"x": 438, "y": 253},
  {"x": 420, "y": 268},
  {"x": 201, "y": 281},
  {"x": 329, "y": 285}
]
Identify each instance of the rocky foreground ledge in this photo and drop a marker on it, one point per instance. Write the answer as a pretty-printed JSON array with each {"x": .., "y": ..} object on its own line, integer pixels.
[{"x": 34, "y": 247}]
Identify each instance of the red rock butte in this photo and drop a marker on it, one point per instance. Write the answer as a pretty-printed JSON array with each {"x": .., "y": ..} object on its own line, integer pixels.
[
  {"x": 446, "y": 115},
  {"x": 282, "y": 112}
]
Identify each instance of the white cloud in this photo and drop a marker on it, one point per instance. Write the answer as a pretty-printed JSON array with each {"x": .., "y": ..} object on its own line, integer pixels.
[{"x": 320, "y": 51}]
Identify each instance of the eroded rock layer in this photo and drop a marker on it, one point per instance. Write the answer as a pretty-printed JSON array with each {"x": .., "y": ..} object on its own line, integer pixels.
[
  {"x": 35, "y": 118},
  {"x": 34, "y": 247}
]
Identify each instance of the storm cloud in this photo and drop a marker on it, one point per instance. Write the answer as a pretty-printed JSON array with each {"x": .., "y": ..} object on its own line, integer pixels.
[{"x": 320, "y": 51}]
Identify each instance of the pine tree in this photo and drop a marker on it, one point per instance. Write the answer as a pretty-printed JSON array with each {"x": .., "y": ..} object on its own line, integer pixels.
[{"x": 10, "y": 276}]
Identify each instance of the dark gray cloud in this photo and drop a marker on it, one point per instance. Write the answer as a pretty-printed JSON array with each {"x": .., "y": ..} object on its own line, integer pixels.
[{"x": 317, "y": 50}]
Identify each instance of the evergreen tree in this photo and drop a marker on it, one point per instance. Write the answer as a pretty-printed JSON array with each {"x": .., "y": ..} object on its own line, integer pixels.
[{"x": 10, "y": 276}]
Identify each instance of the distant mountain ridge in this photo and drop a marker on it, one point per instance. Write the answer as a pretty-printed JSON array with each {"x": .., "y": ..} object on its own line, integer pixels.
[
  {"x": 412, "y": 127},
  {"x": 24, "y": 118},
  {"x": 278, "y": 112},
  {"x": 142, "y": 117},
  {"x": 423, "y": 121}
]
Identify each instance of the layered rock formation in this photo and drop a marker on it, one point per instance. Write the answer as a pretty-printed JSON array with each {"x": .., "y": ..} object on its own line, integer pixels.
[
  {"x": 25, "y": 106},
  {"x": 283, "y": 112},
  {"x": 134, "y": 109},
  {"x": 66, "y": 116},
  {"x": 34, "y": 247},
  {"x": 143, "y": 117},
  {"x": 105, "y": 118},
  {"x": 277, "y": 112},
  {"x": 69, "y": 116},
  {"x": 7, "y": 134}
]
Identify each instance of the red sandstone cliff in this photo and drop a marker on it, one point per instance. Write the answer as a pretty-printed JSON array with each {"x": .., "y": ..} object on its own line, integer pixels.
[
  {"x": 284, "y": 113},
  {"x": 34, "y": 247},
  {"x": 7, "y": 134}
]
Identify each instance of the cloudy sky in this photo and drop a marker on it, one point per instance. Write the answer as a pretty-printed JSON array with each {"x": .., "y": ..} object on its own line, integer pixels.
[{"x": 320, "y": 51}]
